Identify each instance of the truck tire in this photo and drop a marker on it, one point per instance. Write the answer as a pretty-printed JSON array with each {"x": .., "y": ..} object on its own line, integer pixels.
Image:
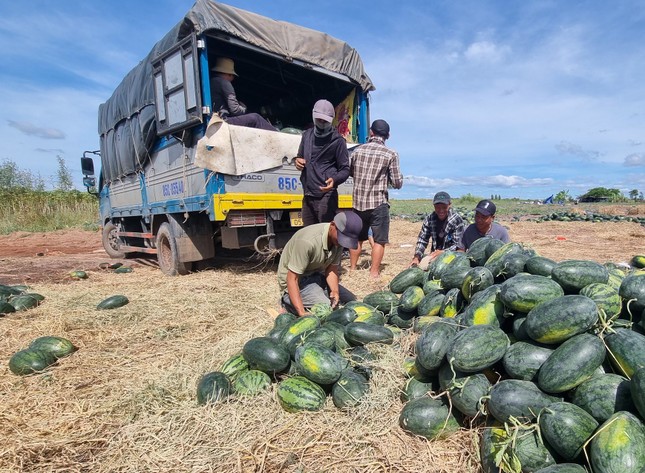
[
  {"x": 111, "y": 242},
  {"x": 167, "y": 253}
]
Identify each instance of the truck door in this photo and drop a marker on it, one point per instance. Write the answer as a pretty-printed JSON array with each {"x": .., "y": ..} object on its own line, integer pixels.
[{"x": 177, "y": 93}]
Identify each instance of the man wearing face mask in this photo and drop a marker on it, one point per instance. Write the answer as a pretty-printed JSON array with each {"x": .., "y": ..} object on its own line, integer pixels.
[{"x": 323, "y": 162}]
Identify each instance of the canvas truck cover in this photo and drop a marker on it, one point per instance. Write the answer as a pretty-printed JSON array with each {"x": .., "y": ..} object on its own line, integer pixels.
[{"x": 127, "y": 119}]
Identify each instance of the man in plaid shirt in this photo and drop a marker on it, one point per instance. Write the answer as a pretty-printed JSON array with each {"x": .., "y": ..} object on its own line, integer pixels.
[
  {"x": 374, "y": 167},
  {"x": 444, "y": 226}
]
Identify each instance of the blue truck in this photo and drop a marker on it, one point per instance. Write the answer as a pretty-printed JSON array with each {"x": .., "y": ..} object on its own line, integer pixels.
[{"x": 177, "y": 181}]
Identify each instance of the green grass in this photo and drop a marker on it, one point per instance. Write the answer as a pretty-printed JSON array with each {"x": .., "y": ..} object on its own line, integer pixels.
[{"x": 41, "y": 211}]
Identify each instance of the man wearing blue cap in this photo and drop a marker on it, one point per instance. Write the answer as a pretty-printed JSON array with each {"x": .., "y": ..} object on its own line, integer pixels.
[
  {"x": 484, "y": 226},
  {"x": 308, "y": 272}
]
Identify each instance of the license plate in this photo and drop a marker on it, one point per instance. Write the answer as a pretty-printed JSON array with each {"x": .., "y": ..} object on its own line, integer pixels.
[{"x": 296, "y": 219}]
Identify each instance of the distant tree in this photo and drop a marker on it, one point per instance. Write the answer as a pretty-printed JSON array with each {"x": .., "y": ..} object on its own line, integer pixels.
[
  {"x": 64, "y": 177},
  {"x": 633, "y": 194},
  {"x": 562, "y": 196},
  {"x": 640, "y": 196},
  {"x": 602, "y": 193},
  {"x": 12, "y": 177}
]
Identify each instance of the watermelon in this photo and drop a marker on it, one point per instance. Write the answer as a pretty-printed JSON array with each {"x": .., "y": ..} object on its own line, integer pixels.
[
  {"x": 626, "y": 351},
  {"x": 531, "y": 452},
  {"x": 429, "y": 418},
  {"x": 466, "y": 390},
  {"x": 9, "y": 290},
  {"x": 384, "y": 301},
  {"x": 368, "y": 314},
  {"x": 433, "y": 343},
  {"x": 559, "y": 319},
  {"x": 432, "y": 286},
  {"x": 638, "y": 261},
  {"x": 497, "y": 262},
  {"x": 234, "y": 366},
  {"x": 113, "y": 302},
  {"x": 411, "y": 298},
  {"x": 619, "y": 445},
  {"x": 491, "y": 247},
  {"x": 452, "y": 303},
  {"x": 402, "y": 319},
  {"x": 78, "y": 274},
  {"x": 341, "y": 316},
  {"x": 573, "y": 362},
  {"x": 517, "y": 398},
  {"x": 360, "y": 359},
  {"x": 573, "y": 275},
  {"x": 563, "y": 468},
  {"x": 485, "y": 308},
  {"x": 493, "y": 449},
  {"x": 415, "y": 389},
  {"x": 524, "y": 291},
  {"x": 251, "y": 383},
  {"x": 603, "y": 395},
  {"x": 30, "y": 361},
  {"x": 358, "y": 333},
  {"x": 632, "y": 290},
  {"x": 539, "y": 266},
  {"x": 25, "y": 301},
  {"x": 285, "y": 319},
  {"x": 566, "y": 427},
  {"x": 349, "y": 389},
  {"x": 319, "y": 364},
  {"x": 6, "y": 308},
  {"x": 265, "y": 354},
  {"x": 476, "y": 252},
  {"x": 445, "y": 260},
  {"x": 606, "y": 298},
  {"x": 430, "y": 304},
  {"x": 406, "y": 278},
  {"x": 637, "y": 389},
  {"x": 454, "y": 275},
  {"x": 300, "y": 394},
  {"x": 475, "y": 280},
  {"x": 57, "y": 347},
  {"x": 213, "y": 387},
  {"x": 477, "y": 347},
  {"x": 420, "y": 323},
  {"x": 523, "y": 359},
  {"x": 304, "y": 324}
]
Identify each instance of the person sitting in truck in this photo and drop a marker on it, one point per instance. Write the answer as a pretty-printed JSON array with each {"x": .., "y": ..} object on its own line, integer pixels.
[
  {"x": 225, "y": 102},
  {"x": 308, "y": 272},
  {"x": 323, "y": 162}
]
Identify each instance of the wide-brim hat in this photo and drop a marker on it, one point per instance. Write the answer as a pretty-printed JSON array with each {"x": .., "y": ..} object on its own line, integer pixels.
[{"x": 225, "y": 66}]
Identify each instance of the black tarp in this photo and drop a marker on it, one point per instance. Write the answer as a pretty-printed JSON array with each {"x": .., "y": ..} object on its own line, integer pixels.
[{"x": 127, "y": 119}]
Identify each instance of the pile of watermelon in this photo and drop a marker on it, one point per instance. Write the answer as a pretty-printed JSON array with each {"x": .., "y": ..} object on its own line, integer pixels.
[
  {"x": 310, "y": 358},
  {"x": 588, "y": 217},
  {"x": 549, "y": 356},
  {"x": 42, "y": 353},
  {"x": 17, "y": 298}
]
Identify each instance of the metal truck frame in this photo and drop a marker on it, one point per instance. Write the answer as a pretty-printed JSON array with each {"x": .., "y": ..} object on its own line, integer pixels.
[{"x": 175, "y": 180}]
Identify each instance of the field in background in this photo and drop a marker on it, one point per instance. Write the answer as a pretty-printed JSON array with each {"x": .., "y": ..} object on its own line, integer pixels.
[{"x": 40, "y": 211}]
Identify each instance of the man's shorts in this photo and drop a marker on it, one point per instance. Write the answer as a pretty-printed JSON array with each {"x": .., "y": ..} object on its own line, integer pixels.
[{"x": 378, "y": 220}]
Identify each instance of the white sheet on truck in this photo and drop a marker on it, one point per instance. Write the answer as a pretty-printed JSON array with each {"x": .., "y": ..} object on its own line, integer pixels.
[{"x": 238, "y": 150}]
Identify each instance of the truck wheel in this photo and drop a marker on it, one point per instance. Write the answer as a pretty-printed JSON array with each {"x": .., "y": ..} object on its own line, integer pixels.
[
  {"x": 111, "y": 242},
  {"x": 167, "y": 253}
]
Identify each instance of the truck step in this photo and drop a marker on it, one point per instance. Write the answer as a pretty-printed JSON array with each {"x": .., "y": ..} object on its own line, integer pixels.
[
  {"x": 137, "y": 249},
  {"x": 135, "y": 234}
]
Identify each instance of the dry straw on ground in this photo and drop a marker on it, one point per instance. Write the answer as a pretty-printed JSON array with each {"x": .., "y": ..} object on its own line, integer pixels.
[{"x": 125, "y": 401}]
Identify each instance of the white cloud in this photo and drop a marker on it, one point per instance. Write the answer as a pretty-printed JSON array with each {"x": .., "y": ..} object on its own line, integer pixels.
[
  {"x": 30, "y": 129},
  {"x": 486, "y": 51},
  {"x": 635, "y": 160},
  {"x": 479, "y": 181}
]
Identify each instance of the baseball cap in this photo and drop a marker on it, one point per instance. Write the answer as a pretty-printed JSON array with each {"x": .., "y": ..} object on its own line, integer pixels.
[
  {"x": 486, "y": 207},
  {"x": 441, "y": 198},
  {"x": 324, "y": 110},
  {"x": 380, "y": 127},
  {"x": 348, "y": 226}
]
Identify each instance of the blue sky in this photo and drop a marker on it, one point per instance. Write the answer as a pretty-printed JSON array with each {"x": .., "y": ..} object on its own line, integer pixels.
[{"x": 521, "y": 99}]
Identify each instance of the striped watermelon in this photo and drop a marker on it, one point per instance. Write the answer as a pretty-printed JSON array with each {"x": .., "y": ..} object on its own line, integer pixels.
[
  {"x": 251, "y": 383},
  {"x": 300, "y": 394},
  {"x": 605, "y": 296}
]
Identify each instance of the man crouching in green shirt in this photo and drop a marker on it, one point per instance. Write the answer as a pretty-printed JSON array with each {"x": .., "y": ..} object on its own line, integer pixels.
[{"x": 308, "y": 272}]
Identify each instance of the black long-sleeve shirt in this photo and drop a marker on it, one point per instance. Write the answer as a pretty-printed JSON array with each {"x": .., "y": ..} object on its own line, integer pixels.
[{"x": 324, "y": 158}]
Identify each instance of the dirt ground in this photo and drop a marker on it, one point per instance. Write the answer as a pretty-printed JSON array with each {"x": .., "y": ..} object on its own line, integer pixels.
[{"x": 48, "y": 257}]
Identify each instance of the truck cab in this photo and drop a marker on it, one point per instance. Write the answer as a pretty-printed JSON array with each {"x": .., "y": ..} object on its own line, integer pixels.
[{"x": 176, "y": 180}]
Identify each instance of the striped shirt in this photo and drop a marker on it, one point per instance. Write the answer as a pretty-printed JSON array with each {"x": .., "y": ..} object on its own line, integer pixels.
[
  {"x": 453, "y": 232},
  {"x": 373, "y": 167}
]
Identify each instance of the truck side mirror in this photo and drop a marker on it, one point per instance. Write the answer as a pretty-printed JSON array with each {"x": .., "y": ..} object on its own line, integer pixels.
[{"x": 87, "y": 166}]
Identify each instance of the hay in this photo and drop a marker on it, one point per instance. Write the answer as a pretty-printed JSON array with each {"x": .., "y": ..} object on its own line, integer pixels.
[{"x": 125, "y": 401}]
